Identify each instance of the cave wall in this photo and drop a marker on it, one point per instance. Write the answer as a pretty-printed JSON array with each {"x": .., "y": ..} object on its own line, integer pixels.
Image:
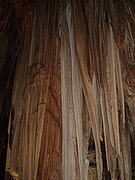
[
  {"x": 36, "y": 148},
  {"x": 8, "y": 58},
  {"x": 72, "y": 106}
]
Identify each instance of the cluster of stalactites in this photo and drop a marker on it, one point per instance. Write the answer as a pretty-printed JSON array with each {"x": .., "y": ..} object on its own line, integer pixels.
[
  {"x": 101, "y": 41},
  {"x": 94, "y": 42}
]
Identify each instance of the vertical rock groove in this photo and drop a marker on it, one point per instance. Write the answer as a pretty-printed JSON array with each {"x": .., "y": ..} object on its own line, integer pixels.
[{"x": 71, "y": 108}]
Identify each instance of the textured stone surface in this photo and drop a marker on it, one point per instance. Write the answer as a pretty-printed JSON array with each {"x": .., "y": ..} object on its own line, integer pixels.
[{"x": 72, "y": 109}]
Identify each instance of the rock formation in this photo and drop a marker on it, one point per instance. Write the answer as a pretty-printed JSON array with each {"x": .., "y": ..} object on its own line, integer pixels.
[{"x": 67, "y": 89}]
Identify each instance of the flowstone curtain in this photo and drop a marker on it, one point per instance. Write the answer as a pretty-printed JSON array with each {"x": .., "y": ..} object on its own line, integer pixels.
[
  {"x": 73, "y": 97},
  {"x": 36, "y": 148}
]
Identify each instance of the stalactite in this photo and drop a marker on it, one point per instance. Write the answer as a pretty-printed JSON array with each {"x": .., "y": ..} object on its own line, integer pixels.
[
  {"x": 74, "y": 85},
  {"x": 73, "y": 152}
]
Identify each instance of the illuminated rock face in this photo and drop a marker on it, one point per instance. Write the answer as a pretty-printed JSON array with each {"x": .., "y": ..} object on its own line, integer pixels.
[{"x": 69, "y": 66}]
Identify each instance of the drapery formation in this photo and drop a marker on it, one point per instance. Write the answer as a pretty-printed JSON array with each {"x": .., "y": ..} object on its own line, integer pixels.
[
  {"x": 73, "y": 94},
  {"x": 36, "y": 147},
  {"x": 101, "y": 43}
]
